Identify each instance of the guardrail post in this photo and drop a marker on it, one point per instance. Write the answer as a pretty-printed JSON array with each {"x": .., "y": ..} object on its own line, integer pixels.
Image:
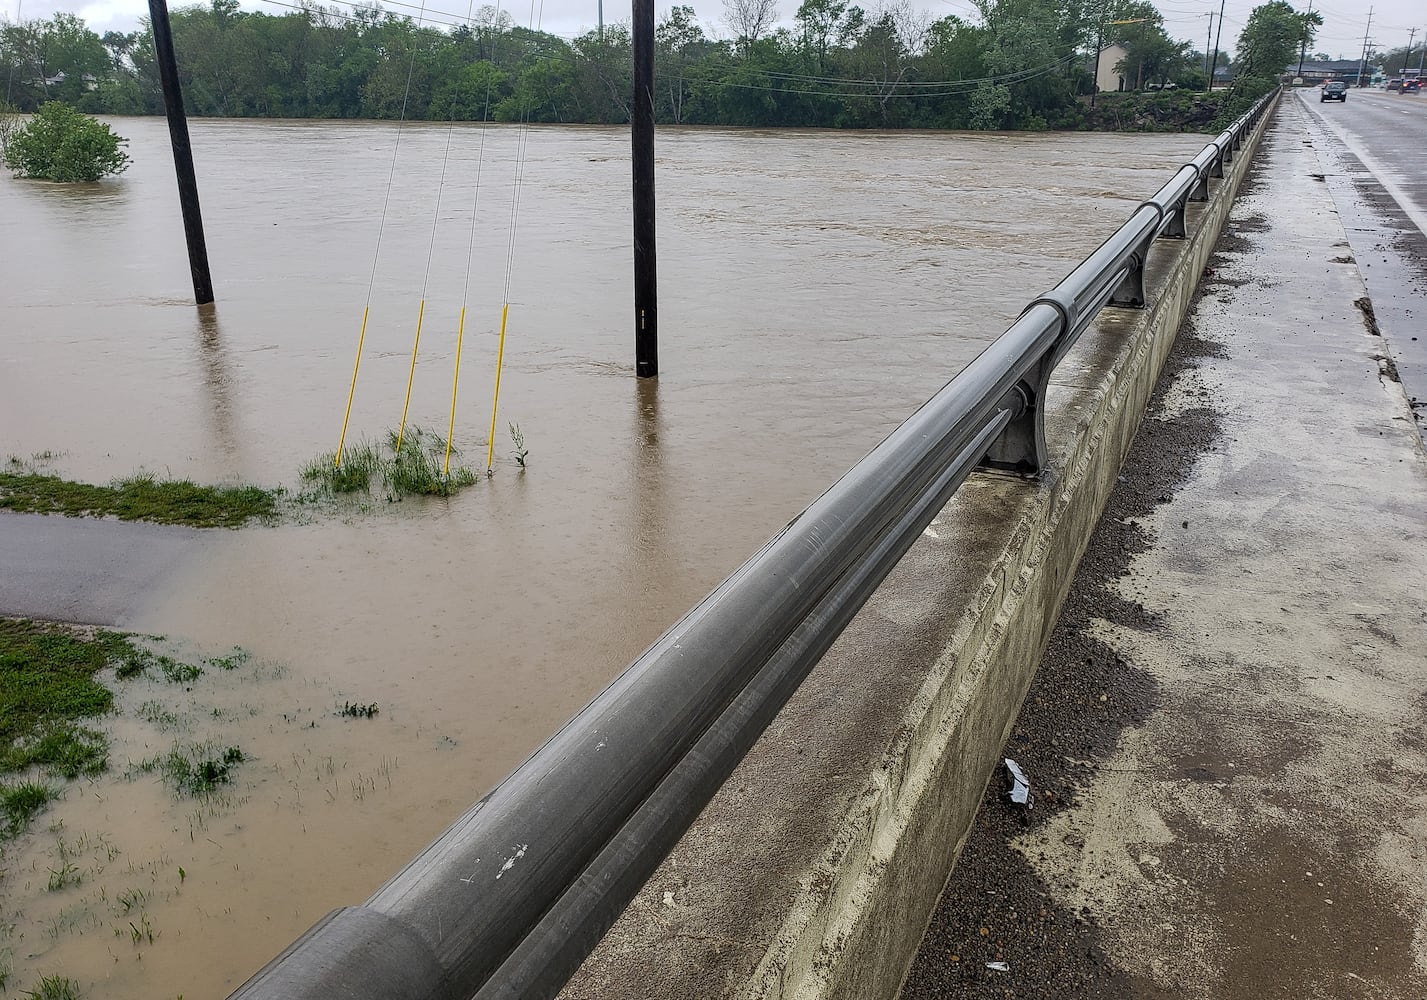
[
  {"x": 1130, "y": 292},
  {"x": 1174, "y": 229},
  {"x": 1020, "y": 448},
  {"x": 1201, "y": 187}
]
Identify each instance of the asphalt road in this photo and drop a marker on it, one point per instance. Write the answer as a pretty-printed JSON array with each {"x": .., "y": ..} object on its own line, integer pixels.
[
  {"x": 1388, "y": 133},
  {"x": 1373, "y": 153}
]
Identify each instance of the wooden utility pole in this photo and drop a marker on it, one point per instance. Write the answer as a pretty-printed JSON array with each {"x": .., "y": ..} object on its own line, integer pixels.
[
  {"x": 646, "y": 312},
  {"x": 1364, "y": 64},
  {"x": 1214, "y": 65},
  {"x": 1099, "y": 45},
  {"x": 1303, "y": 43},
  {"x": 1208, "y": 41},
  {"x": 182, "y": 154}
]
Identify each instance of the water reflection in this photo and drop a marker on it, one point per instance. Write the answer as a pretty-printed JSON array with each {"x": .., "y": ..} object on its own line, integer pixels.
[
  {"x": 219, "y": 386},
  {"x": 651, "y": 540}
]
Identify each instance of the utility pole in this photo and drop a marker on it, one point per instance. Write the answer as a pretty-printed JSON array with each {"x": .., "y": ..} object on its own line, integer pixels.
[
  {"x": 1303, "y": 44},
  {"x": 646, "y": 313},
  {"x": 1407, "y": 58},
  {"x": 182, "y": 154},
  {"x": 1209, "y": 40},
  {"x": 1364, "y": 64},
  {"x": 1099, "y": 44},
  {"x": 1423, "y": 57},
  {"x": 601, "y": 16},
  {"x": 1214, "y": 66}
]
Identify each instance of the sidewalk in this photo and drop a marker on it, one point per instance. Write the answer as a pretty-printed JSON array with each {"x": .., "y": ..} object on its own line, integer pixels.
[{"x": 1228, "y": 737}]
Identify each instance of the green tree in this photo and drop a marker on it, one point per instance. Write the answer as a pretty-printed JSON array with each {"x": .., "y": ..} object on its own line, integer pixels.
[
  {"x": 1270, "y": 40},
  {"x": 1032, "y": 45},
  {"x": 679, "y": 43},
  {"x": 61, "y": 144}
]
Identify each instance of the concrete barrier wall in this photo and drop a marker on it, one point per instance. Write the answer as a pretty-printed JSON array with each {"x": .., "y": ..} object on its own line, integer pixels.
[{"x": 814, "y": 871}]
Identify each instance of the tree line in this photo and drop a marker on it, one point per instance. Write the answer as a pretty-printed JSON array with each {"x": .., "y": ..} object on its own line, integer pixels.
[{"x": 1024, "y": 64}]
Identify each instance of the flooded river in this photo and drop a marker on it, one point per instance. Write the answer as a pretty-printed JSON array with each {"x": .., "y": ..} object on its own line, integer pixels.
[{"x": 814, "y": 288}]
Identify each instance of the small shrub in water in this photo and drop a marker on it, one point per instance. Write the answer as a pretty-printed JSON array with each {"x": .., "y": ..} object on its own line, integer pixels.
[
  {"x": 62, "y": 144},
  {"x": 518, "y": 438}
]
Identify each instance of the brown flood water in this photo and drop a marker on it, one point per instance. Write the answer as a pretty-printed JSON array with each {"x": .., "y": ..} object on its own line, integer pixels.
[{"x": 814, "y": 288}]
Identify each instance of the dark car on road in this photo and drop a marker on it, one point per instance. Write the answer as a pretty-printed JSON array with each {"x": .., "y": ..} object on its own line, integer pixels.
[
  {"x": 1411, "y": 86},
  {"x": 1334, "y": 90}
]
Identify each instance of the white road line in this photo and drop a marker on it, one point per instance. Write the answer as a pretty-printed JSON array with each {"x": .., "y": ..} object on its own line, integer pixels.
[{"x": 1381, "y": 173}]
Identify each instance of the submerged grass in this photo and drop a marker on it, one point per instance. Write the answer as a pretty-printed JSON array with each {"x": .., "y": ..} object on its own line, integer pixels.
[
  {"x": 195, "y": 769},
  {"x": 47, "y": 692},
  {"x": 142, "y": 497},
  {"x": 54, "y": 988},
  {"x": 413, "y": 469},
  {"x": 358, "y": 710}
]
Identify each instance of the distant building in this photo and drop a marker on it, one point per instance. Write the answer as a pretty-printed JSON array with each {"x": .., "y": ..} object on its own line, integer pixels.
[
  {"x": 1334, "y": 69},
  {"x": 45, "y": 82},
  {"x": 1107, "y": 78}
]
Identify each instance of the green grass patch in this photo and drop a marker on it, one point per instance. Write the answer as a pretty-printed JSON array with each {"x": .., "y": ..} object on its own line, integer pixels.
[
  {"x": 19, "y": 804},
  {"x": 61, "y": 747},
  {"x": 195, "y": 769},
  {"x": 143, "y": 497},
  {"x": 46, "y": 686},
  {"x": 414, "y": 469}
]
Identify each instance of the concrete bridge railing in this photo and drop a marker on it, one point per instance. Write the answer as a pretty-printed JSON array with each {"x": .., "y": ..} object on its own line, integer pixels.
[{"x": 826, "y": 893}]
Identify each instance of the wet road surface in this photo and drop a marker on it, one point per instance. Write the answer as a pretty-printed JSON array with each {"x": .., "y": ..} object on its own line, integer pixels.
[{"x": 1372, "y": 161}]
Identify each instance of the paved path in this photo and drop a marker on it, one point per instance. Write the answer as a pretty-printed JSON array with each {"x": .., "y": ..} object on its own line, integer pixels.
[
  {"x": 1227, "y": 736},
  {"x": 84, "y": 569}
]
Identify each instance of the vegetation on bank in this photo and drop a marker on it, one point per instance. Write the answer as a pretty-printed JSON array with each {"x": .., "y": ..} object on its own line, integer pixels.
[
  {"x": 1016, "y": 64},
  {"x": 141, "y": 497},
  {"x": 60, "y": 144}
]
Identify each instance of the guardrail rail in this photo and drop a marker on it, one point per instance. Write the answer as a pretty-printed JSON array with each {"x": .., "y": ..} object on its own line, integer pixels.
[{"x": 511, "y": 899}]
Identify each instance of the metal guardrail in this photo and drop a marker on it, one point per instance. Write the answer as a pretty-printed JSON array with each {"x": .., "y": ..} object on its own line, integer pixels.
[{"x": 516, "y": 893}]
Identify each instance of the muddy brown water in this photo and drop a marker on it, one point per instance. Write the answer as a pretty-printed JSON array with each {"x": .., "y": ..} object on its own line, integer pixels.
[{"x": 814, "y": 289}]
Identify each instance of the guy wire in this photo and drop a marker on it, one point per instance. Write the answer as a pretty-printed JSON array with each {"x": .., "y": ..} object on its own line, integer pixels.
[{"x": 381, "y": 229}]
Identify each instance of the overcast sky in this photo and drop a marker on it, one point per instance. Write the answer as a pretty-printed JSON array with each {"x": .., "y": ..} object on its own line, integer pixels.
[{"x": 1344, "y": 21}]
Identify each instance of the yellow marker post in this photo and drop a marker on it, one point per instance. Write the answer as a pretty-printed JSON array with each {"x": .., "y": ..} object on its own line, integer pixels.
[
  {"x": 455, "y": 381},
  {"x": 495, "y": 401},
  {"x": 353, "y": 391},
  {"x": 401, "y": 433}
]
